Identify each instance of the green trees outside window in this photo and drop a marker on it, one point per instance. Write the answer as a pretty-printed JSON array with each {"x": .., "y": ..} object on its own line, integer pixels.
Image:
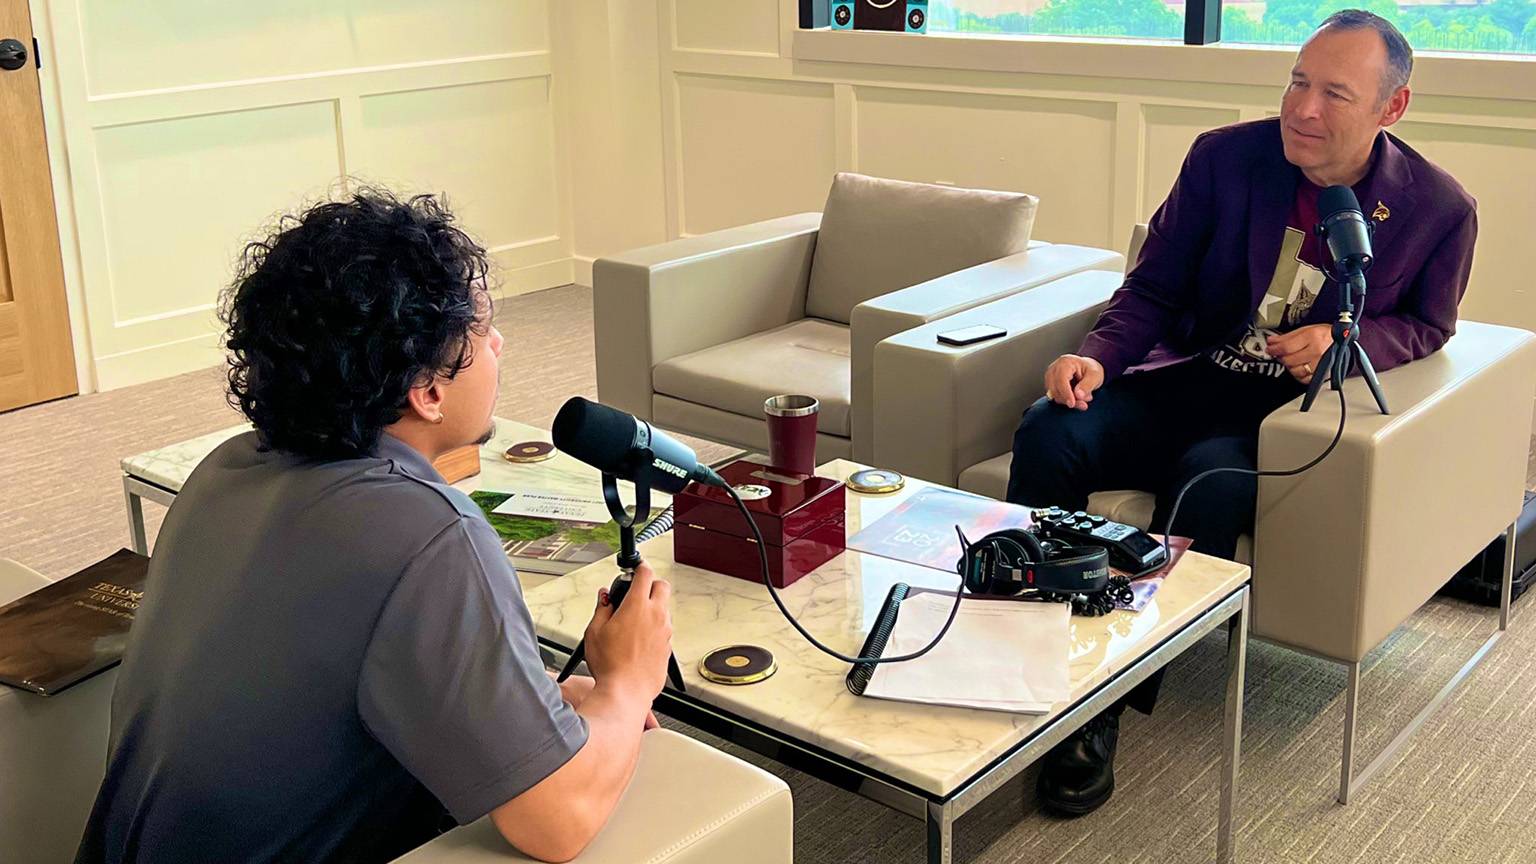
[{"x": 1506, "y": 26}]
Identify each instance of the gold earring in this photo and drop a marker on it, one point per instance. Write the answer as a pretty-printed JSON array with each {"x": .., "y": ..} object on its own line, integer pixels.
[{"x": 437, "y": 419}]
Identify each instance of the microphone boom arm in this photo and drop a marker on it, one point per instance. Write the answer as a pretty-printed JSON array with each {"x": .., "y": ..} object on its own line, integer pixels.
[
  {"x": 629, "y": 561},
  {"x": 629, "y": 558}
]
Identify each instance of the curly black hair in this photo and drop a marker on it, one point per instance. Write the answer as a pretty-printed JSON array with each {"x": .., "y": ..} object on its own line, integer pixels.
[{"x": 340, "y": 310}]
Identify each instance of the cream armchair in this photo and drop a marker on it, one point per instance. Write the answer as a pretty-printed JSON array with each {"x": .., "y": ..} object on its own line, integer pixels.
[
  {"x": 694, "y": 334},
  {"x": 1344, "y": 553}
]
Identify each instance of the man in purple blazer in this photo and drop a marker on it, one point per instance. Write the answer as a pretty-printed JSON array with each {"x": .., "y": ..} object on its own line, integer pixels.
[{"x": 1227, "y": 310}]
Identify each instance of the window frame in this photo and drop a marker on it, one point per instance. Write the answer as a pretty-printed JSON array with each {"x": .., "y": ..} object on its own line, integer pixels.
[
  {"x": 1503, "y": 77},
  {"x": 1201, "y": 26}
]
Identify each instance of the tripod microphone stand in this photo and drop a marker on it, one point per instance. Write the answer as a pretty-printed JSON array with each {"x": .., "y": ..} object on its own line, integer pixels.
[
  {"x": 1345, "y": 351},
  {"x": 629, "y": 561}
]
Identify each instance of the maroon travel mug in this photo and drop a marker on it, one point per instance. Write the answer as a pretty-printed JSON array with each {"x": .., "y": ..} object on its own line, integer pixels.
[{"x": 792, "y": 433}]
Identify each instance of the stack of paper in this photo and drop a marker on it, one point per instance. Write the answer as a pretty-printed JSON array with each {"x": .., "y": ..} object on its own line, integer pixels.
[{"x": 1003, "y": 655}]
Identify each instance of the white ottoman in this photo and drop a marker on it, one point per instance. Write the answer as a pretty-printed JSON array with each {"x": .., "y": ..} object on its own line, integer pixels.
[{"x": 687, "y": 804}]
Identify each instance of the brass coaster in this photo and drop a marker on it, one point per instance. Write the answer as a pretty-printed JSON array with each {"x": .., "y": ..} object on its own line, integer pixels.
[
  {"x": 876, "y": 481},
  {"x": 530, "y": 451},
  {"x": 738, "y": 664}
]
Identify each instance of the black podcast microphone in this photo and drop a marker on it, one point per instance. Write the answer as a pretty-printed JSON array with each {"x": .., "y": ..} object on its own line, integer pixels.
[
  {"x": 624, "y": 447},
  {"x": 627, "y": 447},
  {"x": 1344, "y": 227}
]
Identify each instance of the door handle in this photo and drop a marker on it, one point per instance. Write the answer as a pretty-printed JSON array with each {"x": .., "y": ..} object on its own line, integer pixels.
[{"x": 13, "y": 55}]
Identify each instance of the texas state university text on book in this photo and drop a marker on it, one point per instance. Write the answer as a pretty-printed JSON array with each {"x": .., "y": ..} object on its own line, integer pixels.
[{"x": 63, "y": 633}]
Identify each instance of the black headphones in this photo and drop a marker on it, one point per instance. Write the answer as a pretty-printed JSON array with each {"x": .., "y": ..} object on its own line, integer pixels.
[{"x": 1013, "y": 561}]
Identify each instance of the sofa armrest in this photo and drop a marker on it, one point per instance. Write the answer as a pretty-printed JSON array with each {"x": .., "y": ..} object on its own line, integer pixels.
[
  {"x": 688, "y": 803},
  {"x": 663, "y": 301},
  {"x": 887, "y": 315},
  {"x": 940, "y": 409},
  {"x": 1346, "y": 552}
]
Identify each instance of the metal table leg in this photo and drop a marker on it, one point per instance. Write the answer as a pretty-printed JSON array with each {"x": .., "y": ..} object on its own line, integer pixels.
[
  {"x": 941, "y": 833},
  {"x": 135, "y": 493},
  {"x": 1349, "y": 782},
  {"x": 136, "y": 536},
  {"x": 1237, "y": 662}
]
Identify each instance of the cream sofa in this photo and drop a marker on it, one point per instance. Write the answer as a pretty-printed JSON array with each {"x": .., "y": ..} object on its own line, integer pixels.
[
  {"x": 694, "y": 334},
  {"x": 1342, "y": 554}
]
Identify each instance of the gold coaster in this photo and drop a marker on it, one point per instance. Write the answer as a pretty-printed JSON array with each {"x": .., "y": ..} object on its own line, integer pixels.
[
  {"x": 876, "y": 481},
  {"x": 738, "y": 664},
  {"x": 530, "y": 451}
]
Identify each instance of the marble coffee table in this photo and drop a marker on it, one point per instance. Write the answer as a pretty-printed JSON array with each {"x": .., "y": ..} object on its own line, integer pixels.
[{"x": 930, "y": 762}]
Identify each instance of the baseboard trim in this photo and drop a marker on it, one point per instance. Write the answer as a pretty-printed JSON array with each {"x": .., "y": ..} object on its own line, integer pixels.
[
  {"x": 155, "y": 362},
  {"x": 583, "y": 264},
  {"x": 534, "y": 277},
  {"x": 204, "y": 350}
]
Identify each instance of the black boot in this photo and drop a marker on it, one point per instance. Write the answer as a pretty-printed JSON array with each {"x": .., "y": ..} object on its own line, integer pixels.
[{"x": 1078, "y": 775}]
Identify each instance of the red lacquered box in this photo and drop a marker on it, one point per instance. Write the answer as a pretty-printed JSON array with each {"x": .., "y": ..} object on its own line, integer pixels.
[{"x": 801, "y": 517}]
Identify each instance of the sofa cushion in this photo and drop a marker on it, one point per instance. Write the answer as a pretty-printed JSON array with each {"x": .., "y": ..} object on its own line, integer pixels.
[
  {"x": 878, "y": 236},
  {"x": 806, "y": 356}
]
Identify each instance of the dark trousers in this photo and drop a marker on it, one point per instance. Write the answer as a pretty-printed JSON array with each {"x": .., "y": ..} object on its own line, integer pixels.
[{"x": 1153, "y": 431}]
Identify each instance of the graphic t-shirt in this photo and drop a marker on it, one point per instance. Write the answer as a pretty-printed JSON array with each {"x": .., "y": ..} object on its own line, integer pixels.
[{"x": 1298, "y": 279}]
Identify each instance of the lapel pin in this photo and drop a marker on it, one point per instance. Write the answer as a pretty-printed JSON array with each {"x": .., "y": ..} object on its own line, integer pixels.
[{"x": 1381, "y": 213}]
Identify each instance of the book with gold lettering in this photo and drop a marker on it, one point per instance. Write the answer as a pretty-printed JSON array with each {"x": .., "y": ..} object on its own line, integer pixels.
[{"x": 64, "y": 633}]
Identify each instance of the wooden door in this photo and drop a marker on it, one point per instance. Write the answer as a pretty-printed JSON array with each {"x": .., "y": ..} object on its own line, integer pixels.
[{"x": 36, "y": 355}]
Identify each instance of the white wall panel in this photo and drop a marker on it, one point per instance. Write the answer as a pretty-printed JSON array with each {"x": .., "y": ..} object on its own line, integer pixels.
[
  {"x": 489, "y": 147},
  {"x": 133, "y": 46},
  {"x": 169, "y": 245},
  {"x": 729, "y": 25},
  {"x": 1498, "y": 166},
  {"x": 1057, "y": 149},
  {"x": 189, "y": 124},
  {"x": 1169, "y": 130},
  {"x": 752, "y": 149}
]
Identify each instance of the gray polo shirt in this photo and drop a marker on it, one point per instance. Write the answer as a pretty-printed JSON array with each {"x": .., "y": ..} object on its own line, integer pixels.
[{"x": 330, "y": 658}]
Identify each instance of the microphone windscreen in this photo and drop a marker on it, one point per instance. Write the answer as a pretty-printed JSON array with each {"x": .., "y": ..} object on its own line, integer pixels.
[
  {"x": 596, "y": 434},
  {"x": 1335, "y": 199}
]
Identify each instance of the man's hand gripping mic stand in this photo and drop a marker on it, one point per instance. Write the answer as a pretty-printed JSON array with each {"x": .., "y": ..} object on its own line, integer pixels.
[
  {"x": 629, "y": 561},
  {"x": 1334, "y": 365}
]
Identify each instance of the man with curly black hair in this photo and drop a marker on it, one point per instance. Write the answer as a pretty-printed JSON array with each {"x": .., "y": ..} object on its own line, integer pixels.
[{"x": 333, "y": 661}]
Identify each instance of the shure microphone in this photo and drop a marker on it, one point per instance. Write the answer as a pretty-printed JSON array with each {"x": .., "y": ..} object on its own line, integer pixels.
[
  {"x": 627, "y": 447},
  {"x": 1344, "y": 228}
]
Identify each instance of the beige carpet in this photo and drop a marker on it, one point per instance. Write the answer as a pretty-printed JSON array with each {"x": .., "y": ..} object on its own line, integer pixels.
[{"x": 1465, "y": 790}]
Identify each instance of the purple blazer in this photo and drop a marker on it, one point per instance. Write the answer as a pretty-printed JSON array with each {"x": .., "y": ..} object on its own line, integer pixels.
[{"x": 1213, "y": 245}]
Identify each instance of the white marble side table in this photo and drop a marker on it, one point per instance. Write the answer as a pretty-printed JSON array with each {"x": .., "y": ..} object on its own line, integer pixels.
[{"x": 158, "y": 475}]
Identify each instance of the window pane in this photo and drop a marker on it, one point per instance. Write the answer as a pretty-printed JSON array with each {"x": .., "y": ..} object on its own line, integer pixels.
[
  {"x": 1507, "y": 26},
  {"x": 1140, "y": 19}
]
